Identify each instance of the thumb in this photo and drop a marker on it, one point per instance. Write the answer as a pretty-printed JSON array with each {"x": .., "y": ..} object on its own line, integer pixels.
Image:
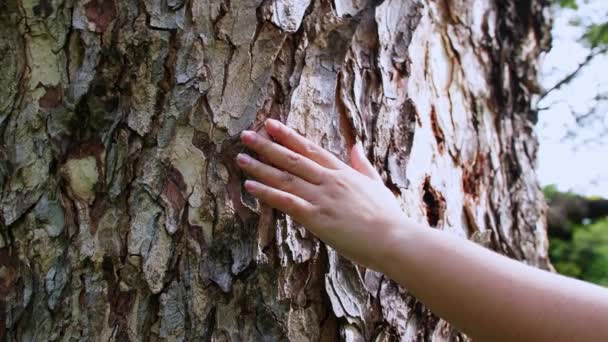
[{"x": 359, "y": 162}]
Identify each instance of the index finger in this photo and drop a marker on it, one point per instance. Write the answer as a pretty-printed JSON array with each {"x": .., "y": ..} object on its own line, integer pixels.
[{"x": 297, "y": 143}]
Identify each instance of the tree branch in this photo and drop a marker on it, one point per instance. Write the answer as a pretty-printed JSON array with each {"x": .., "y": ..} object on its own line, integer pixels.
[{"x": 575, "y": 72}]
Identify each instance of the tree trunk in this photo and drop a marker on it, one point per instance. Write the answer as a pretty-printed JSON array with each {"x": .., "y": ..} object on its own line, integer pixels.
[{"x": 123, "y": 212}]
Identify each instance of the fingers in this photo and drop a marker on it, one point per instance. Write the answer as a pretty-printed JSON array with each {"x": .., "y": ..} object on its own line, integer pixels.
[
  {"x": 291, "y": 205},
  {"x": 297, "y": 143},
  {"x": 360, "y": 163},
  {"x": 274, "y": 177},
  {"x": 281, "y": 157}
]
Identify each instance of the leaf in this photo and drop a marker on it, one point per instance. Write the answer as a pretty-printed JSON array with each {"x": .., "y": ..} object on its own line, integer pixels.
[
  {"x": 567, "y": 3},
  {"x": 597, "y": 35},
  {"x": 585, "y": 256}
]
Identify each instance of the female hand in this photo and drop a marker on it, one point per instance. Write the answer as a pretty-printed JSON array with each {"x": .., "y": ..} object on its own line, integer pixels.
[
  {"x": 349, "y": 208},
  {"x": 488, "y": 296}
]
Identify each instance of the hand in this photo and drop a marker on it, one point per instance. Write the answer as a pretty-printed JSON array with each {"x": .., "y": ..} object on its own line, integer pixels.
[{"x": 348, "y": 208}]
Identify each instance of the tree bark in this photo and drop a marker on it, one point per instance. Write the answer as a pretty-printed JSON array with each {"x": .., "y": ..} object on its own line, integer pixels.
[{"x": 123, "y": 212}]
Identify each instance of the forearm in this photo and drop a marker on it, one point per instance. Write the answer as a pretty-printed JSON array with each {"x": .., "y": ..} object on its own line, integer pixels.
[
  {"x": 491, "y": 297},
  {"x": 484, "y": 294}
]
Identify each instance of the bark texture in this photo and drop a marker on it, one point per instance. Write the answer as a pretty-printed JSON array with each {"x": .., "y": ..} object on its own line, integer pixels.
[{"x": 123, "y": 212}]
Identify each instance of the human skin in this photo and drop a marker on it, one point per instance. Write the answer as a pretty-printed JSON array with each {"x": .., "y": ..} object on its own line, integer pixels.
[{"x": 484, "y": 294}]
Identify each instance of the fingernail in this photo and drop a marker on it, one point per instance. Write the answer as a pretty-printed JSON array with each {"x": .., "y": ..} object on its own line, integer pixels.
[
  {"x": 272, "y": 123},
  {"x": 242, "y": 159},
  {"x": 247, "y": 136},
  {"x": 250, "y": 185}
]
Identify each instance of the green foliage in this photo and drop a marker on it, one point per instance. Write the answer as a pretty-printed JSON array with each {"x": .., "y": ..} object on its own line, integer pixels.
[
  {"x": 597, "y": 35},
  {"x": 584, "y": 253},
  {"x": 567, "y": 3},
  {"x": 585, "y": 256},
  {"x": 552, "y": 193}
]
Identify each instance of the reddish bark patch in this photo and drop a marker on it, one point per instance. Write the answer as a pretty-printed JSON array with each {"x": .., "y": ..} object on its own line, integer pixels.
[
  {"x": 346, "y": 123},
  {"x": 175, "y": 177},
  {"x": 52, "y": 98},
  {"x": 434, "y": 204},
  {"x": 9, "y": 280},
  {"x": 437, "y": 132},
  {"x": 473, "y": 175},
  {"x": 121, "y": 302},
  {"x": 471, "y": 226},
  {"x": 69, "y": 214},
  {"x": 99, "y": 207},
  {"x": 418, "y": 119},
  {"x": 195, "y": 232},
  {"x": 8, "y": 273},
  {"x": 173, "y": 191},
  {"x": 230, "y": 149},
  {"x": 81, "y": 150},
  {"x": 100, "y": 13}
]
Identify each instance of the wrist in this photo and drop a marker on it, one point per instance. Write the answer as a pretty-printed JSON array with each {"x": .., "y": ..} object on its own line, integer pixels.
[{"x": 401, "y": 236}]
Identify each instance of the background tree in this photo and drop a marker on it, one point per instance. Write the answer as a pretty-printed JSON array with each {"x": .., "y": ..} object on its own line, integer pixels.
[
  {"x": 123, "y": 214},
  {"x": 578, "y": 232}
]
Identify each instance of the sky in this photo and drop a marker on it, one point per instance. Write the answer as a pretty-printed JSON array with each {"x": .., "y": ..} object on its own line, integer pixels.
[{"x": 577, "y": 163}]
